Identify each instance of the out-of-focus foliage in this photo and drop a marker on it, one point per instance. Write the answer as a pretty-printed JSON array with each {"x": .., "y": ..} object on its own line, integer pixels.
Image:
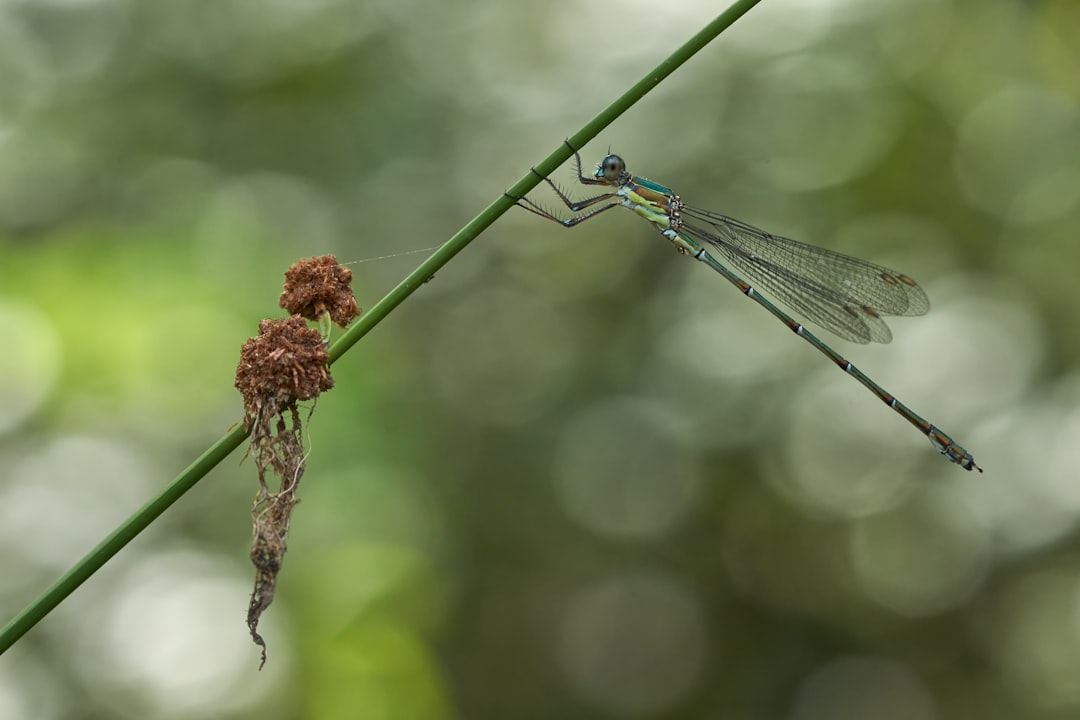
[{"x": 576, "y": 475}]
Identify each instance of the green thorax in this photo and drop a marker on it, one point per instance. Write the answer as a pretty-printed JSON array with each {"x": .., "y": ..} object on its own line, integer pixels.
[{"x": 652, "y": 186}]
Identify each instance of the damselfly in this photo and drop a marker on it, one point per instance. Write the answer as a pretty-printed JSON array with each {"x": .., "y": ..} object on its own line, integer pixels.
[{"x": 838, "y": 292}]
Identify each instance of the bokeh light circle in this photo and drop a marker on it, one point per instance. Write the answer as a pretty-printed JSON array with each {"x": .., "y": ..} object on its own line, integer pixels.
[{"x": 633, "y": 644}]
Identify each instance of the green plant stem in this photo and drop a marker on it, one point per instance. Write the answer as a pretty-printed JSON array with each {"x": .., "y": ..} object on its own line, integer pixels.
[
  {"x": 138, "y": 522},
  {"x": 548, "y": 165},
  {"x": 120, "y": 537}
]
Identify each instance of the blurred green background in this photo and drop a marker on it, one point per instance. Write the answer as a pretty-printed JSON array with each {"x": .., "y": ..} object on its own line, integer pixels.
[{"x": 576, "y": 475}]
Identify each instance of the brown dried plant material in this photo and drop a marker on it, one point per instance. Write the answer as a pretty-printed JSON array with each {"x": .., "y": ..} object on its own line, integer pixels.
[
  {"x": 284, "y": 365},
  {"x": 318, "y": 286}
]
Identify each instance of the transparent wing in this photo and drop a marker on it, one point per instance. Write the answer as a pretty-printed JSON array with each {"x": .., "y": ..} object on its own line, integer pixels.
[{"x": 842, "y": 294}]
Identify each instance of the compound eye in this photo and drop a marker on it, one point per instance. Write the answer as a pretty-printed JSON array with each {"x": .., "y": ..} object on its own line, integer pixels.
[{"x": 613, "y": 167}]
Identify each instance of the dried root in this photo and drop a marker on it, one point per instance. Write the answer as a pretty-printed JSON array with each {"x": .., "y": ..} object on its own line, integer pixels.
[{"x": 283, "y": 366}]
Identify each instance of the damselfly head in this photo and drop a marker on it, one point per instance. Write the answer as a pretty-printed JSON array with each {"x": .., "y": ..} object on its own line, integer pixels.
[{"x": 611, "y": 169}]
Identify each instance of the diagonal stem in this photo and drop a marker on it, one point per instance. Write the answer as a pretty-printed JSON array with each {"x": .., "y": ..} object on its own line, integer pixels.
[
  {"x": 531, "y": 179},
  {"x": 130, "y": 528}
]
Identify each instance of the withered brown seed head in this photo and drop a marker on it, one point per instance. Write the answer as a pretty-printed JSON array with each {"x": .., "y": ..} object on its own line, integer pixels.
[
  {"x": 318, "y": 285},
  {"x": 284, "y": 364}
]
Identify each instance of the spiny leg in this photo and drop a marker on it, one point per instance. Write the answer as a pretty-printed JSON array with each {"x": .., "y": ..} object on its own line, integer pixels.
[
  {"x": 532, "y": 207},
  {"x": 581, "y": 175},
  {"x": 574, "y": 205},
  {"x": 526, "y": 203}
]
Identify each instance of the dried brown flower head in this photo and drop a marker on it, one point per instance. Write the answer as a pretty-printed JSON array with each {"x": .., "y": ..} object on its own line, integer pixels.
[{"x": 317, "y": 286}]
